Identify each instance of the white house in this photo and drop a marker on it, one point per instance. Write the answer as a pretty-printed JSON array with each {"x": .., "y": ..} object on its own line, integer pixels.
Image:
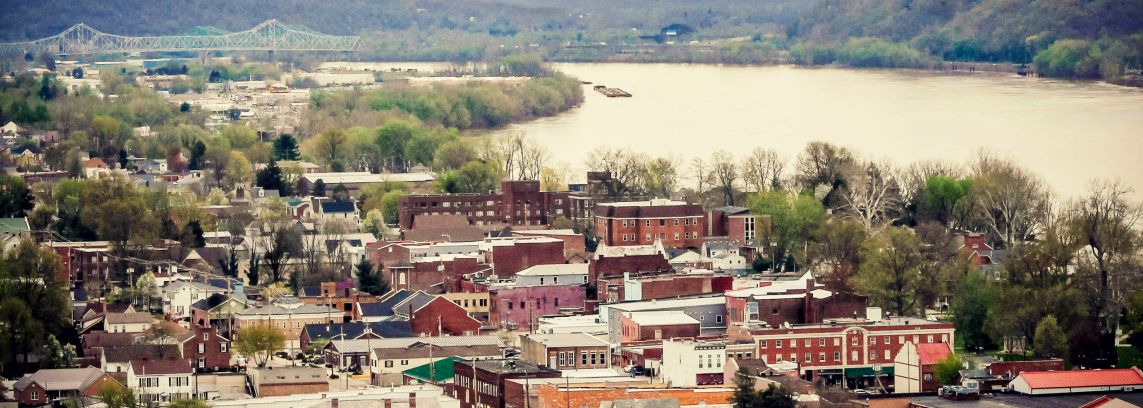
[
  {"x": 129, "y": 322},
  {"x": 689, "y": 362},
  {"x": 1077, "y": 381},
  {"x": 389, "y": 357},
  {"x": 161, "y": 381},
  {"x": 12, "y": 231},
  {"x": 178, "y": 297}
]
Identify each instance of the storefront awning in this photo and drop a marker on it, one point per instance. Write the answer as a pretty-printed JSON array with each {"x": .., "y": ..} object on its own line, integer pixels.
[{"x": 866, "y": 372}]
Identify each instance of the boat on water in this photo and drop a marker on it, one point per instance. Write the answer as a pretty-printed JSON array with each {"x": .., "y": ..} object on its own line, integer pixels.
[{"x": 612, "y": 92}]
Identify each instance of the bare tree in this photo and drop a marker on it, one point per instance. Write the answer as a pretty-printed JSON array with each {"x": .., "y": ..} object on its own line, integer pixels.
[
  {"x": 1106, "y": 221},
  {"x": 824, "y": 164},
  {"x": 521, "y": 157},
  {"x": 916, "y": 176},
  {"x": 1008, "y": 201},
  {"x": 725, "y": 171},
  {"x": 702, "y": 175},
  {"x": 872, "y": 194},
  {"x": 762, "y": 170},
  {"x": 628, "y": 170}
]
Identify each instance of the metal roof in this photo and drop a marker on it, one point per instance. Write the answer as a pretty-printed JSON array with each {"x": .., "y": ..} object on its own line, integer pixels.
[{"x": 1082, "y": 378}]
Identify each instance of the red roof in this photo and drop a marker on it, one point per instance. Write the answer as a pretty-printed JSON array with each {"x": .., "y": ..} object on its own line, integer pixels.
[
  {"x": 1082, "y": 378},
  {"x": 931, "y": 353},
  {"x": 161, "y": 367}
]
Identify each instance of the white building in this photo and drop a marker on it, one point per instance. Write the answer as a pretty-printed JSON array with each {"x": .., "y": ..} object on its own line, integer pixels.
[
  {"x": 179, "y": 296},
  {"x": 689, "y": 362},
  {"x": 129, "y": 322},
  {"x": 389, "y": 357},
  {"x": 552, "y": 275},
  {"x": 161, "y": 381},
  {"x": 423, "y": 395}
]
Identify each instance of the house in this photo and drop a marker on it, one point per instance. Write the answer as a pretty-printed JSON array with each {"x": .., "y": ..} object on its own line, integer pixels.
[
  {"x": 161, "y": 381},
  {"x": 179, "y": 297},
  {"x": 217, "y": 309},
  {"x": 289, "y": 314},
  {"x": 95, "y": 167},
  {"x": 573, "y": 351},
  {"x": 485, "y": 380},
  {"x": 690, "y": 362},
  {"x": 279, "y": 381},
  {"x": 914, "y": 367},
  {"x": 674, "y": 223},
  {"x": 130, "y": 322},
  {"x": 340, "y": 210},
  {"x": 54, "y": 385},
  {"x": 1077, "y": 381},
  {"x": 725, "y": 256},
  {"x": 12, "y": 231},
  {"x": 26, "y": 156},
  {"x": 205, "y": 349},
  {"x": 388, "y": 358},
  {"x": 657, "y": 325},
  {"x": 315, "y": 334},
  {"x": 10, "y": 129},
  {"x": 536, "y": 292},
  {"x": 116, "y": 360},
  {"x": 439, "y": 317}
]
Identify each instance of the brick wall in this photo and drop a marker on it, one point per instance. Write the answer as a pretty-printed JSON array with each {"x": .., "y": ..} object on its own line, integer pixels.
[
  {"x": 552, "y": 396},
  {"x": 277, "y": 390},
  {"x": 537, "y": 301},
  {"x": 452, "y": 320},
  {"x": 509, "y": 259}
]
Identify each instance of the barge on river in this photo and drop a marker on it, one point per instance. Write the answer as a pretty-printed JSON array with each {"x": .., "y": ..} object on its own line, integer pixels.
[{"x": 612, "y": 92}]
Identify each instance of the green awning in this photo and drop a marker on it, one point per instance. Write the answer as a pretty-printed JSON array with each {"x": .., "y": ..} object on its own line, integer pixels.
[
  {"x": 866, "y": 372},
  {"x": 441, "y": 371}
]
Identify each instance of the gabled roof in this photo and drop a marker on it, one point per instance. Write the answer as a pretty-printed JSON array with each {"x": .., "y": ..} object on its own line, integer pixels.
[
  {"x": 385, "y": 307},
  {"x": 355, "y": 330},
  {"x": 129, "y": 318},
  {"x": 338, "y": 206},
  {"x": 413, "y": 303},
  {"x": 161, "y": 367},
  {"x": 441, "y": 370},
  {"x": 931, "y": 353},
  {"x": 123, "y": 354},
  {"x": 61, "y": 379},
  {"x": 1082, "y": 378}
]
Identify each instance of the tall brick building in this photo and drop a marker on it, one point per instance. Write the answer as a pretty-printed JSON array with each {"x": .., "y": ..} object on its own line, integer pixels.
[
  {"x": 519, "y": 202},
  {"x": 798, "y": 301},
  {"x": 676, "y": 224}
]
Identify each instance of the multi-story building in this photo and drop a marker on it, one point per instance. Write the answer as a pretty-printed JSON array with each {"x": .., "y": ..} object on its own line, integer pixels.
[
  {"x": 520, "y": 202},
  {"x": 842, "y": 350},
  {"x": 516, "y": 306},
  {"x": 674, "y": 223},
  {"x": 289, "y": 314},
  {"x": 671, "y": 285},
  {"x": 709, "y": 311},
  {"x": 389, "y": 357},
  {"x": 205, "y": 349},
  {"x": 481, "y": 384},
  {"x": 573, "y": 351},
  {"x": 797, "y": 301},
  {"x": 690, "y": 362},
  {"x": 737, "y": 225},
  {"x": 161, "y": 381},
  {"x": 657, "y": 325},
  {"x": 49, "y": 385}
]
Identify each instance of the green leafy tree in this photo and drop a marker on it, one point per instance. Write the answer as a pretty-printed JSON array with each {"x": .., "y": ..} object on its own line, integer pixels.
[
  {"x": 115, "y": 395},
  {"x": 259, "y": 342},
  {"x": 948, "y": 369},
  {"x": 374, "y": 222},
  {"x": 188, "y": 403},
  {"x": 973, "y": 299},
  {"x": 943, "y": 195},
  {"x": 15, "y": 197},
  {"x": 890, "y": 275},
  {"x": 792, "y": 220},
  {"x": 1050, "y": 340},
  {"x": 35, "y": 302}
]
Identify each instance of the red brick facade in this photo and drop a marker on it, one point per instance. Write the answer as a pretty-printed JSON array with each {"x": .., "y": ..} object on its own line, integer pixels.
[
  {"x": 523, "y": 254},
  {"x": 441, "y": 315},
  {"x": 519, "y": 308},
  {"x": 520, "y": 202},
  {"x": 206, "y": 350},
  {"x": 677, "y": 225},
  {"x": 633, "y": 331}
]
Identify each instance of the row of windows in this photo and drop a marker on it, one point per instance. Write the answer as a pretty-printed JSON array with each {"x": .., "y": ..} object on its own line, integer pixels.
[
  {"x": 465, "y": 302},
  {"x": 662, "y": 222},
  {"x": 567, "y": 358},
  {"x": 634, "y": 237},
  {"x": 151, "y": 382},
  {"x": 710, "y": 358},
  {"x": 853, "y": 340},
  {"x": 202, "y": 348}
]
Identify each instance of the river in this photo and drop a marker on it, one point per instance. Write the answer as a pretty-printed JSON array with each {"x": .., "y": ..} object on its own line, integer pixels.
[{"x": 1067, "y": 132}]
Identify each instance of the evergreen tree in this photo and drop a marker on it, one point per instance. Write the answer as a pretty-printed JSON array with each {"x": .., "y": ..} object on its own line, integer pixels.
[
  {"x": 198, "y": 150},
  {"x": 319, "y": 188},
  {"x": 271, "y": 178},
  {"x": 286, "y": 148},
  {"x": 229, "y": 264},
  {"x": 192, "y": 235},
  {"x": 122, "y": 159},
  {"x": 369, "y": 280},
  {"x": 184, "y": 107},
  {"x": 255, "y": 271}
]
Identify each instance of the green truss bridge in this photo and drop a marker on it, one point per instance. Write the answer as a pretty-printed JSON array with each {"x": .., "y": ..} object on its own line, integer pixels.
[{"x": 270, "y": 35}]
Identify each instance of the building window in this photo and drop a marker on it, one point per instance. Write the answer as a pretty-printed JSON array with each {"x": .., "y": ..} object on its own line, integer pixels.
[
  {"x": 648, "y": 223},
  {"x": 563, "y": 361},
  {"x": 872, "y": 355},
  {"x": 676, "y": 236},
  {"x": 916, "y": 339},
  {"x": 749, "y": 228},
  {"x": 928, "y": 377},
  {"x": 853, "y": 341},
  {"x": 662, "y": 223},
  {"x": 837, "y": 356},
  {"x": 201, "y": 348},
  {"x": 887, "y": 357},
  {"x": 658, "y": 334},
  {"x": 222, "y": 347},
  {"x": 901, "y": 339},
  {"x": 888, "y": 340},
  {"x": 853, "y": 355},
  {"x": 836, "y": 342},
  {"x": 807, "y": 342},
  {"x": 809, "y": 358},
  {"x": 583, "y": 358},
  {"x": 762, "y": 343},
  {"x": 793, "y": 358},
  {"x": 872, "y": 341},
  {"x": 388, "y": 363},
  {"x": 592, "y": 358},
  {"x": 648, "y": 237},
  {"x": 929, "y": 339},
  {"x": 821, "y": 342},
  {"x": 36, "y": 394},
  {"x": 718, "y": 319},
  {"x": 676, "y": 222},
  {"x": 778, "y": 343},
  {"x": 821, "y": 357},
  {"x": 404, "y": 362}
]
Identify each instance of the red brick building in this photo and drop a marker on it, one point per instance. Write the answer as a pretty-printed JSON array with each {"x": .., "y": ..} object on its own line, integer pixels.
[
  {"x": 439, "y": 317},
  {"x": 205, "y": 349},
  {"x": 510, "y": 255},
  {"x": 613, "y": 261},
  {"x": 338, "y": 295},
  {"x": 658, "y": 325},
  {"x": 649, "y": 286},
  {"x": 520, "y": 307},
  {"x": 797, "y": 301},
  {"x": 844, "y": 350},
  {"x": 520, "y": 202},
  {"x": 481, "y": 384},
  {"x": 45, "y": 386},
  {"x": 914, "y": 367},
  {"x": 674, "y": 223},
  {"x": 735, "y": 224}
]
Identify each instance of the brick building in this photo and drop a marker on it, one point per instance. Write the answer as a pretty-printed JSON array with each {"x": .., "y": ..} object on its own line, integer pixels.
[
  {"x": 844, "y": 350},
  {"x": 520, "y": 307},
  {"x": 575, "y": 249},
  {"x": 674, "y": 223},
  {"x": 914, "y": 367},
  {"x": 440, "y": 317},
  {"x": 710, "y": 311},
  {"x": 519, "y": 202},
  {"x": 205, "y": 349},
  {"x": 658, "y": 325},
  {"x": 572, "y": 351},
  {"x": 514, "y": 254},
  {"x": 613, "y": 261},
  {"x": 48, "y": 385},
  {"x": 279, "y": 381},
  {"x": 481, "y": 384},
  {"x": 338, "y": 295},
  {"x": 797, "y": 301},
  {"x": 736, "y": 224},
  {"x": 649, "y": 286}
]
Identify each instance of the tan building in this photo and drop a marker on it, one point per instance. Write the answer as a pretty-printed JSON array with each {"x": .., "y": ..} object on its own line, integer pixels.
[
  {"x": 289, "y": 314},
  {"x": 475, "y": 303},
  {"x": 573, "y": 351}
]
